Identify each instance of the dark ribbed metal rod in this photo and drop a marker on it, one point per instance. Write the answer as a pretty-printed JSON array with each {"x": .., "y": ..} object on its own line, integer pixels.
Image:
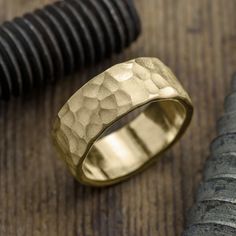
[
  {"x": 44, "y": 46},
  {"x": 214, "y": 213}
]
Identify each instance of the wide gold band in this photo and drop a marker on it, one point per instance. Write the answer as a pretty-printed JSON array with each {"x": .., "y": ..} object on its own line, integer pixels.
[{"x": 87, "y": 132}]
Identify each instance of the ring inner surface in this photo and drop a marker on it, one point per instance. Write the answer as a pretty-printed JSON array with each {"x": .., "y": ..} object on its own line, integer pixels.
[{"x": 120, "y": 152}]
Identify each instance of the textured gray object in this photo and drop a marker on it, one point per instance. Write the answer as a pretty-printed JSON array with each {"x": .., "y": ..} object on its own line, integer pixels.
[
  {"x": 230, "y": 105},
  {"x": 217, "y": 189},
  {"x": 222, "y": 165},
  {"x": 227, "y": 122},
  {"x": 209, "y": 230},
  {"x": 214, "y": 213}
]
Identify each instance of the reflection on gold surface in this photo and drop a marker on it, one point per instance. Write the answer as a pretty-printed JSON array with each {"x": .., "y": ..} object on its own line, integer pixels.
[{"x": 131, "y": 146}]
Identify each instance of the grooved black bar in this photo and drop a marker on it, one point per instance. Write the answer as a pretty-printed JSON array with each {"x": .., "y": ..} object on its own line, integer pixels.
[
  {"x": 43, "y": 46},
  {"x": 214, "y": 212}
]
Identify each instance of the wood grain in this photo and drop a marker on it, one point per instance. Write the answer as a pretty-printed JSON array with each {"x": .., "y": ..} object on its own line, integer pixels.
[{"x": 197, "y": 39}]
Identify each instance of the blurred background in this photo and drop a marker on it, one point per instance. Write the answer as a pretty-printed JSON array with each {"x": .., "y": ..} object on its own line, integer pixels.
[{"x": 197, "y": 40}]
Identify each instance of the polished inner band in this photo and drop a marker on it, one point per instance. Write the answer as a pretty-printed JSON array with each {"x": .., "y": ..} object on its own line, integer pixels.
[
  {"x": 87, "y": 131},
  {"x": 130, "y": 147}
]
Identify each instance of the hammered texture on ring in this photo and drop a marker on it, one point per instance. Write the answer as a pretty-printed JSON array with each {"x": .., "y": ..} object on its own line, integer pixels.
[{"x": 105, "y": 99}]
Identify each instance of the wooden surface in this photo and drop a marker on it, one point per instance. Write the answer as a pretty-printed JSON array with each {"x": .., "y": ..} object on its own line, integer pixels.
[{"x": 197, "y": 39}]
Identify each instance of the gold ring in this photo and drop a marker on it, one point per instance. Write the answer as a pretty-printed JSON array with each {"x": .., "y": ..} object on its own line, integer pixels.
[{"x": 87, "y": 133}]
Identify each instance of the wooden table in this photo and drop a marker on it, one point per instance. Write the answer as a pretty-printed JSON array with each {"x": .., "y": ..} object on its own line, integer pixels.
[{"x": 197, "y": 39}]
